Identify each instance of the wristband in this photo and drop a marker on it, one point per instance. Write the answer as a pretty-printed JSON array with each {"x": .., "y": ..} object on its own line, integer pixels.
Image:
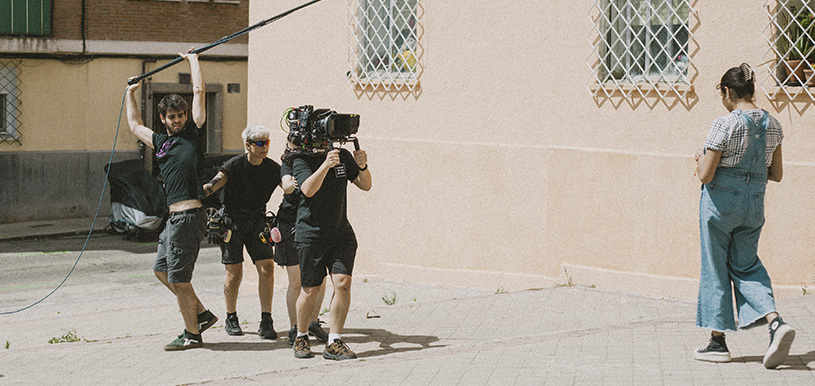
[{"x": 364, "y": 169}]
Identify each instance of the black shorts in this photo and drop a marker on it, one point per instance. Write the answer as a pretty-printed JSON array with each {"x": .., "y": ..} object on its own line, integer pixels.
[
  {"x": 336, "y": 257},
  {"x": 285, "y": 252},
  {"x": 245, "y": 233},
  {"x": 179, "y": 243}
]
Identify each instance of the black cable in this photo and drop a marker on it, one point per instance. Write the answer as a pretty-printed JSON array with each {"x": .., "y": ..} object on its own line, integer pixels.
[
  {"x": 222, "y": 40},
  {"x": 98, "y": 207}
]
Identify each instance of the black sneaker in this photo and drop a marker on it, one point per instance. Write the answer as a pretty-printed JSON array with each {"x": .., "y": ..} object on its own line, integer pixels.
[
  {"x": 302, "y": 348},
  {"x": 781, "y": 337},
  {"x": 185, "y": 341},
  {"x": 205, "y": 320},
  {"x": 315, "y": 330},
  {"x": 232, "y": 325},
  {"x": 266, "y": 329},
  {"x": 716, "y": 350},
  {"x": 338, "y": 351},
  {"x": 292, "y": 335}
]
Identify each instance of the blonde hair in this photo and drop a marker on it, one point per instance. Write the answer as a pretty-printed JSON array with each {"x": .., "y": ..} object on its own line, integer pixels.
[{"x": 254, "y": 133}]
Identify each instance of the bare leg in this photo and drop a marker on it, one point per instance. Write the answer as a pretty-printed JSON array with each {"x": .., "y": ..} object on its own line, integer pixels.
[
  {"x": 187, "y": 301},
  {"x": 292, "y": 292},
  {"x": 162, "y": 277},
  {"x": 305, "y": 307},
  {"x": 265, "y": 284},
  {"x": 340, "y": 302},
  {"x": 318, "y": 302},
  {"x": 232, "y": 284}
]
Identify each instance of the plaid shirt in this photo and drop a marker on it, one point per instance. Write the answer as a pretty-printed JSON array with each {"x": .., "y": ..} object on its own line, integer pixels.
[{"x": 728, "y": 134}]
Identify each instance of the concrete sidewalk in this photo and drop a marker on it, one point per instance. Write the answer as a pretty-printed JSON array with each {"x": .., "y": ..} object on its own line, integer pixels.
[{"x": 432, "y": 335}]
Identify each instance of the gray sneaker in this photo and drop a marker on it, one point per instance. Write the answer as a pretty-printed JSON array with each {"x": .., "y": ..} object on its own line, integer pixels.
[
  {"x": 781, "y": 337},
  {"x": 302, "y": 348},
  {"x": 338, "y": 351}
]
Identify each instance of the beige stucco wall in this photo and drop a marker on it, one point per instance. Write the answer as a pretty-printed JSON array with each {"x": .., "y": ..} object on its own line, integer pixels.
[
  {"x": 505, "y": 172},
  {"x": 74, "y": 106}
]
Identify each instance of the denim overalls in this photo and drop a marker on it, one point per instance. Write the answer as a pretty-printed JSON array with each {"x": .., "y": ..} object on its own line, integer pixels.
[{"x": 731, "y": 214}]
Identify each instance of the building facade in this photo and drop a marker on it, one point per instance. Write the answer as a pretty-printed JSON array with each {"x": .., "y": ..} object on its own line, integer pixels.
[
  {"x": 544, "y": 143},
  {"x": 64, "y": 65}
]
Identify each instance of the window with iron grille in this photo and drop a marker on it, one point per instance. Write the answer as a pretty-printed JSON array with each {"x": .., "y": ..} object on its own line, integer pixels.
[
  {"x": 791, "y": 53},
  {"x": 384, "y": 43},
  {"x": 25, "y": 17},
  {"x": 9, "y": 103},
  {"x": 640, "y": 46}
]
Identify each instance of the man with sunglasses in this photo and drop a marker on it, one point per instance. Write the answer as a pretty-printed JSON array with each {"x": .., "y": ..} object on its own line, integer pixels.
[
  {"x": 248, "y": 180},
  {"x": 177, "y": 157}
]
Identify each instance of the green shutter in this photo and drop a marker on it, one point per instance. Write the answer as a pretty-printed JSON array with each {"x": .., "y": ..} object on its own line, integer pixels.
[{"x": 25, "y": 17}]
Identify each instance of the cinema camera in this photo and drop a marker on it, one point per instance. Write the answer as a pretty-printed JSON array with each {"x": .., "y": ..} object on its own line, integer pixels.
[{"x": 316, "y": 131}]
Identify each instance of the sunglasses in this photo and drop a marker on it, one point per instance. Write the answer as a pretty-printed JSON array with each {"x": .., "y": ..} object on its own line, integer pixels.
[{"x": 262, "y": 143}]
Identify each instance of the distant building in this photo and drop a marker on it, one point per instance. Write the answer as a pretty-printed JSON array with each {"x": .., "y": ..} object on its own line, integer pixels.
[{"x": 63, "y": 70}]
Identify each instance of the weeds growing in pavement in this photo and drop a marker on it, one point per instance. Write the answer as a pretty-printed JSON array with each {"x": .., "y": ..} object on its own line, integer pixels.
[
  {"x": 7, "y": 345},
  {"x": 500, "y": 290},
  {"x": 389, "y": 300},
  {"x": 69, "y": 337},
  {"x": 569, "y": 282}
]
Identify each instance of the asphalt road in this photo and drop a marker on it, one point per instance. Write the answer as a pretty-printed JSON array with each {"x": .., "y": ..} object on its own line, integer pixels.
[{"x": 33, "y": 268}]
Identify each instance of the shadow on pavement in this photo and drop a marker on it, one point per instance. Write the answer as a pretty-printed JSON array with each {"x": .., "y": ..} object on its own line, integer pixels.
[
  {"x": 801, "y": 361},
  {"x": 260, "y": 345},
  {"x": 386, "y": 341}
]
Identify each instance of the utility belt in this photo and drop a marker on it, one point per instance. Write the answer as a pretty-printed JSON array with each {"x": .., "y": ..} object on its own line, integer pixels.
[{"x": 220, "y": 227}]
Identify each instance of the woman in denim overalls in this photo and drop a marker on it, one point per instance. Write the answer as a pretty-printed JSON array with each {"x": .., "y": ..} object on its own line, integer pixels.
[{"x": 742, "y": 152}]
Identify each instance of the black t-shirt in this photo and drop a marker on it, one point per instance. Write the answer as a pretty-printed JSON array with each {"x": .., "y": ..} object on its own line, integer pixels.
[
  {"x": 249, "y": 187},
  {"x": 287, "y": 213},
  {"x": 177, "y": 157},
  {"x": 323, "y": 215}
]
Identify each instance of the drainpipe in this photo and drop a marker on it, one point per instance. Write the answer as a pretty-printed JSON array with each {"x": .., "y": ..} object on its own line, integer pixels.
[{"x": 83, "y": 27}]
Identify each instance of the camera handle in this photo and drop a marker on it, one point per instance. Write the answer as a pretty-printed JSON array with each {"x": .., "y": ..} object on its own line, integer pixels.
[{"x": 356, "y": 144}]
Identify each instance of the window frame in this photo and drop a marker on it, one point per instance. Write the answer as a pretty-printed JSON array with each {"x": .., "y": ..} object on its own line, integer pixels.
[
  {"x": 785, "y": 77},
  {"x": 9, "y": 88},
  {"x": 641, "y": 46},
  {"x": 384, "y": 43}
]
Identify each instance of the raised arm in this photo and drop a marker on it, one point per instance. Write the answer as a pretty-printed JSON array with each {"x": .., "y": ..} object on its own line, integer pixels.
[
  {"x": 199, "y": 95},
  {"x": 313, "y": 183},
  {"x": 134, "y": 120},
  {"x": 363, "y": 181}
]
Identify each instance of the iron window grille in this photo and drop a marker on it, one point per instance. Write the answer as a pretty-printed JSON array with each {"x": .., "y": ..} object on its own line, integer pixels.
[
  {"x": 791, "y": 53},
  {"x": 9, "y": 102},
  {"x": 384, "y": 45},
  {"x": 640, "y": 46}
]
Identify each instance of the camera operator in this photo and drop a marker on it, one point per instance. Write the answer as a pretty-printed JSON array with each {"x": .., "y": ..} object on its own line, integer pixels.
[
  {"x": 285, "y": 253},
  {"x": 248, "y": 180},
  {"x": 326, "y": 241}
]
